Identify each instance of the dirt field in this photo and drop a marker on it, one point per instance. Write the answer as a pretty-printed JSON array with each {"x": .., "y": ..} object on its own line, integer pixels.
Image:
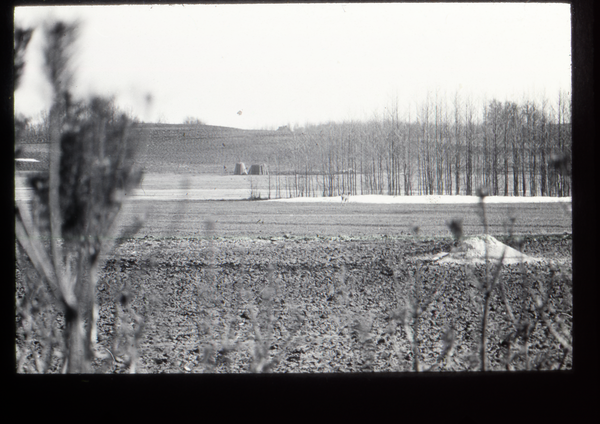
[
  {"x": 178, "y": 206},
  {"x": 324, "y": 280},
  {"x": 240, "y": 219}
]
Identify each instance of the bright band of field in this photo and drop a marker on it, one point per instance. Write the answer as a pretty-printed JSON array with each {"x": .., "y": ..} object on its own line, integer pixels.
[
  {"x": 173, "y": 210},
  {"x": 188, "y": 179}
]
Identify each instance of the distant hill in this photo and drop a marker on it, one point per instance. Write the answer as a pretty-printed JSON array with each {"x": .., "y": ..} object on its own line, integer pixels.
[{"x": 193, "y": 149}]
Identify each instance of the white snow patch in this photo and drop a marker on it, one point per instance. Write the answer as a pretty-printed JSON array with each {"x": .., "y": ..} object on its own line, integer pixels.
[{"x": 431, "y": 199}]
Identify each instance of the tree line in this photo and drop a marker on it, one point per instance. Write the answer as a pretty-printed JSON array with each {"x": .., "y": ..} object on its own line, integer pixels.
[{"x": 438, "y": 147}]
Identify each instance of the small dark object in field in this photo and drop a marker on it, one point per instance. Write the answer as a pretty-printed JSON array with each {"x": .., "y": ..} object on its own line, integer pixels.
[
  {"x": 124, "y": 298},
  {"x": 387, "y": 271},
  {"x": 456, "y": 227},
  {"x": 562, "y": 164},
  {"x": 70, "y": 314},
  {"x": 483, "y": 192},
  {"x": 295, "y": 355}
]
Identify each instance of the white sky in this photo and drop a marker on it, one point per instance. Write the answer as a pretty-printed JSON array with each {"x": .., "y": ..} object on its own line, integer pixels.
[{"x": 306, "y": 63}]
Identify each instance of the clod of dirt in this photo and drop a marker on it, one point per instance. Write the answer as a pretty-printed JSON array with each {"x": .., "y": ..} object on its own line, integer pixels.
[{"x": 473, "y": 250}]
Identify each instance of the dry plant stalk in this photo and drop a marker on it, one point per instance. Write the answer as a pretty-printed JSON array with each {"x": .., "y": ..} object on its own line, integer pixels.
[
  {"x": 75, "y": 205},
  {"x": 489, "y": 283},
  {"x": 408, "y": 316},
  {"x": 264, "y": 318}
]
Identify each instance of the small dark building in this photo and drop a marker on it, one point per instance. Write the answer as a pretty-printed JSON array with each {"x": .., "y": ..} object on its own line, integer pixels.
[
  {"x": 258, "y": 170},
  {"x": 240, "y": 169}
]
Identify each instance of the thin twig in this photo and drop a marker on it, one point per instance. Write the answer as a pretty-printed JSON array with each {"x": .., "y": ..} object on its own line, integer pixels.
[
  {"x": 509, "y": 311},
  {"x": 487, "y": 300},
  {"x": 554, "y": 333}
]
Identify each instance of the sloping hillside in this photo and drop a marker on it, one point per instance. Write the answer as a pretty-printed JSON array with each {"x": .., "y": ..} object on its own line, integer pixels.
[
  {"x": 208, "y": 149},
  {"x": 193, "y": 149}
]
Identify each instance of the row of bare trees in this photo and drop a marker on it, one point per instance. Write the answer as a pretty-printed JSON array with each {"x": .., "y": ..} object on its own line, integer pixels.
[
  {"x": 511, "y": 149},
  {"x": 440, "y": 146}
]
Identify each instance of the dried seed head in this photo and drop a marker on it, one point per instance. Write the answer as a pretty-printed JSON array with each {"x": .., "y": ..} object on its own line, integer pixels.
[
  {"x": 456, "y": 227},
  {"x": 124, "y": 298}
]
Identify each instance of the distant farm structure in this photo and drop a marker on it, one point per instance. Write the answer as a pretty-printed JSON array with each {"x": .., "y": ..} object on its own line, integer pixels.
[
  {"x": 258, "y": 170},
  {"x": 240, "y": 169}
]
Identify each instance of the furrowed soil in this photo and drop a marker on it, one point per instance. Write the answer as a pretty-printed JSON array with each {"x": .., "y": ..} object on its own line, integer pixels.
[
  {"x": 288, "y": 287},
  {"x": 327, "y": 285},
  {"x": 320, "y": 305},
  {"x": 264, "y": 219},
  {"x": 329, "y": 302}
]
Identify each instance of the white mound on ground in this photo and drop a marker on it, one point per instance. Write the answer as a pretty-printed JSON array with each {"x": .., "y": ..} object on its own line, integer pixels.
[{"x": 473, "y": 250}]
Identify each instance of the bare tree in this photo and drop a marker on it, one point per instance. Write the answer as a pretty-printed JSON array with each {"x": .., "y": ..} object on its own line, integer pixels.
[
  {"x": 190, "y": 120},
  {"x": 458, "y": 145},
  {"x": 562, "y": 159},
  {"x": 408, "y": 157},
  {"x": 470, "y": 131},
  {"x": 544, "y": 145}
]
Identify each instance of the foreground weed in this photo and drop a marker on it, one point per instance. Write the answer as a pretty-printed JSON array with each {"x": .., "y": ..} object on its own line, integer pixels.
[
  {"x": 38, "y": 334},
  {"x": 489, "y": 282},
  {"x": 541, "y": 307},
  {"x": 129, "y": 327},
  {"x": 409, "y": 315},
  {"x": 529, "y": 314},
  {"x": 217, "y": 313},
  {"x": 358, "y": 326},
  {"x": 66, "y": 229},
  {"x": 363, "y": 332},
  {"x": 263, "y": 320},
  {"x": 522, "y": 326},
  {"x": 212, "y": 312}
]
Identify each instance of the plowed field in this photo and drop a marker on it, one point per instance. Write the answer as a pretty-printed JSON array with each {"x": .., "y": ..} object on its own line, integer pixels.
[{"x": 324, "y": 287}]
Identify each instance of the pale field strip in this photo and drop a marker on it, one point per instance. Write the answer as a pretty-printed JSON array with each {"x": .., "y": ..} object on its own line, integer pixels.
[
  {"x": 430, "y": 199},
  {"x": 241, "y": 194},
  {"x": 238, "y": 187}
]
